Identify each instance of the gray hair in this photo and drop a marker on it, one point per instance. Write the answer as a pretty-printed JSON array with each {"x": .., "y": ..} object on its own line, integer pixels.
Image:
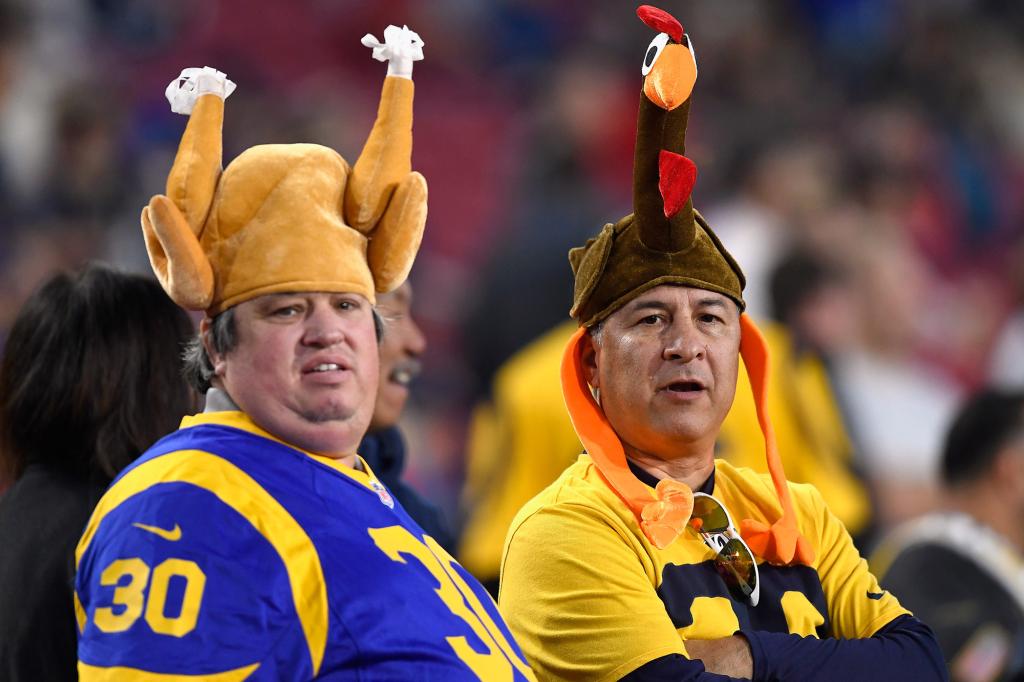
[{"x": 197, "y": 366}]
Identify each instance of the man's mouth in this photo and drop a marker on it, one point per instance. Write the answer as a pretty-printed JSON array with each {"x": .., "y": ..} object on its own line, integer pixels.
[
  {"x": 325, "y": 367},
  {"x": 404, "y": 373},
  {"x": 684, "y": 386}
]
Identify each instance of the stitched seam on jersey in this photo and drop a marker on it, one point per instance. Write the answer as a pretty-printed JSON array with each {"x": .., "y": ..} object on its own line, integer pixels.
[
  {"x": 239, "y": 421},
  {"x": 639, "y": 660},
  {"x": 883, "y": 620},
  {"x": 120, "y": 673},
  {"x": 195, "y": 467}
]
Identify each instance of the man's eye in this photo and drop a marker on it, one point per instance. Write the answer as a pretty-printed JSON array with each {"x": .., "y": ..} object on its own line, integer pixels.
[
  {"x": 287, "y": 311},
  {"x": 708, "y": 318},
  {"x": 651, "y": 319}
]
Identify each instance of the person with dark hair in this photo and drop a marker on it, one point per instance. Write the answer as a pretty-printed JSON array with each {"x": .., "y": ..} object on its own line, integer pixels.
[
  {"x": 810, "y": 310},
  {"x": 383, "y": 447},
  {"x": 90, "y": 378},
  {"x": 962, "y": 570}
]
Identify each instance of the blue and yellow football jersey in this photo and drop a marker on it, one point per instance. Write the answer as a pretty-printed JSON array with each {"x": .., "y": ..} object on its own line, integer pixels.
[{"x": 226, "y": 554}]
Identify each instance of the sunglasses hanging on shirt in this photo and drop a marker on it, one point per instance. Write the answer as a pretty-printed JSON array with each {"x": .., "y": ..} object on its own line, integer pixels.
[{"x": 734, "y": 561}]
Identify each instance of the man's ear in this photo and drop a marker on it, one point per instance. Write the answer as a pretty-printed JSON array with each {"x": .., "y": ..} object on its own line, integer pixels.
[
  {"x": 1008, "y": 471},
  {"x": 216, "y": 359},
  {"x": 588, "y": 355}
]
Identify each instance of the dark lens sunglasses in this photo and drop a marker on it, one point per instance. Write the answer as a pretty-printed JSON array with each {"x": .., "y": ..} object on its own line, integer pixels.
[{"x": 733, "y": 559}]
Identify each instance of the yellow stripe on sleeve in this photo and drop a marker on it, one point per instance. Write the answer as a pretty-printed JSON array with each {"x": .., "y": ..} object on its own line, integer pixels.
[
  {"x": 91, "y": 673},
  {"x": 80, "y": 616},
  {"x": 239, "y": 491}
]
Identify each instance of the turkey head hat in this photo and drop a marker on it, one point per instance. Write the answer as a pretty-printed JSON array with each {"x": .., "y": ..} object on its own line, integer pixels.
[
  {"x": 666, "y": 241},
  {"x": 288, "y": 217}
]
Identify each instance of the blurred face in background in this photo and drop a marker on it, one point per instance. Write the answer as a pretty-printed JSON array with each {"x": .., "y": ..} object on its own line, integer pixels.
[
  {"x": 401, "y": 347},
  {"x": 891, "y": 297},
  {"x": 826, "y": 320}
]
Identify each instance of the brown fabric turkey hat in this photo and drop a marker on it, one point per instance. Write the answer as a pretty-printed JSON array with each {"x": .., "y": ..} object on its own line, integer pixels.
[
  {"x": 288, "y": 217},
  {"x": 664, "y": 240},
  {"x": 618, "y": 265}
]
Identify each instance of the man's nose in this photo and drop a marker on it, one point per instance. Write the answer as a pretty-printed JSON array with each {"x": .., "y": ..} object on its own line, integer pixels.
[
  {"x": 683, "y": 344},
  {"x": 415, "y": 341},
  {"x": 323, "y": 329}
]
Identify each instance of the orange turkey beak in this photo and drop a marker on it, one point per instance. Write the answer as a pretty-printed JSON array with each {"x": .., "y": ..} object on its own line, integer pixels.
[{"x": 670, "y": 81}]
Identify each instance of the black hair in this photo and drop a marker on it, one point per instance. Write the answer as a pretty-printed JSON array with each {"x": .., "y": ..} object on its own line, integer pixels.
[
  {"x": 796, "y": 277},
  {"x": 90, "y": 375},
  {"x": 986, "y": 423}
]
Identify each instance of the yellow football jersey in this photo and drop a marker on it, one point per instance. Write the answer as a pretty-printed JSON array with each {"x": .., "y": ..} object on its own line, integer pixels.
[{"x": 587, "y": 596}]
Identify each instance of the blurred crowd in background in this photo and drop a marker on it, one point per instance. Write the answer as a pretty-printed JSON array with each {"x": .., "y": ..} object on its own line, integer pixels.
[{"x": 878, "y": 142}]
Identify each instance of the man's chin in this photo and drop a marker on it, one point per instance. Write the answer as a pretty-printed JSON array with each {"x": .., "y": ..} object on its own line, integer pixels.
[
  {"x": 328, "y": 431},
  {"x": 387, "y": 411},
  {"x": 677, "y": 438},
  {"x": 328, "y": 414}
]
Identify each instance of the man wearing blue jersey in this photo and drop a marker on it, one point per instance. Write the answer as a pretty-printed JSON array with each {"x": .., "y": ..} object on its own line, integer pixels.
[{"x": 254, "y": 543}]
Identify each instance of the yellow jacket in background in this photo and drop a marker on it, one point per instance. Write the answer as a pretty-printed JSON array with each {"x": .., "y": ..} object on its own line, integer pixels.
[{"x": 519, "y": 443}]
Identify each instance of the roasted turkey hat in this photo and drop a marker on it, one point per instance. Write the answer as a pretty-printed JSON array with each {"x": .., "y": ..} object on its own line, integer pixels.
[
  {"x": 287, "y": 217},
  {"x": 666, "y": 241}
]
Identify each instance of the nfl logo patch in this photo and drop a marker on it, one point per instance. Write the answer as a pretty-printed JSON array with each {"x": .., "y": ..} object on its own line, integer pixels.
[{"x": 383, "y": 493}]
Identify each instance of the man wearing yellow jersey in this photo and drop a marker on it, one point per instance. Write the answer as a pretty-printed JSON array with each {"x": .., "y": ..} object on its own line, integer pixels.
[{"x": 648, "y": 559}]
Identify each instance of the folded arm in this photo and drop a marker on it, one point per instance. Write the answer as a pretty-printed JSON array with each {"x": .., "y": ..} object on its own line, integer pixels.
[{"x": 905, "y": 649}]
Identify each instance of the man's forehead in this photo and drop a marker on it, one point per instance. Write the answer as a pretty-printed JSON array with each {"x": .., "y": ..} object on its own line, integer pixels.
[
  {"x": 400, "y": 296},
  {"x": 275, "y": 296},
  {"x": 666, "y": 295}
]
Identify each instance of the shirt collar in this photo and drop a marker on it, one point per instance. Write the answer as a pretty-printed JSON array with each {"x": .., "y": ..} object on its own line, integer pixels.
[
  {"x": 218, "y": 400},
  {"x": 220, "y": 409},
  {"x": 648, "y": 479}
]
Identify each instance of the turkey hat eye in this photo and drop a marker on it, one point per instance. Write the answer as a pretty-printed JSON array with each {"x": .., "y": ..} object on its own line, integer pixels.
[
  {"x": 689, "y": 44},
  {"x": 653, "y": 52}
]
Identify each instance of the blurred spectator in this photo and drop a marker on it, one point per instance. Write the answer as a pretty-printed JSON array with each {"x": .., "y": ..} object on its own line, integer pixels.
[
  {"x": 897, "y": 405},
  {"x": 782, "y": 188},
  {"x": 811, "y": 306},
  {"x": 383, "y": 447},
  {"x": 10, "y": 30},
  {"x": 87, "y": 182},
  {"x": 90, "y": 378},
  {"x": 1006, "y": 368},
  {"x": 520, "y": 440},
  {"x": 569, "y": 184},
  {"x": 962, "y": 570}
]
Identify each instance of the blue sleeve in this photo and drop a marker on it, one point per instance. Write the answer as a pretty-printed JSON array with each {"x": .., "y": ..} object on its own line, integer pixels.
[
  {"x": 904, "y": 650},
  {"x": 673, "y": 668},
  {"x": 176, "y": 582}
]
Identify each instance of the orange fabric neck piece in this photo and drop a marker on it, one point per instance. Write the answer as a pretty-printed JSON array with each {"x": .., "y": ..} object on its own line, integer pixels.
[
  {"x": 663, "y": 515},
  {"x": 781, "y": 542}
]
